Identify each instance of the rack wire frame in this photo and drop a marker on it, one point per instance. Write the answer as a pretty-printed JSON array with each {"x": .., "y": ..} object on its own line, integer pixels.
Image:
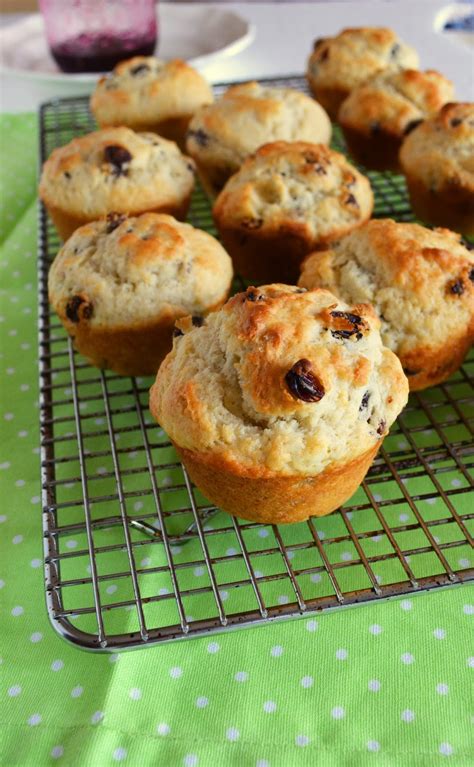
[{"x": 66, "y": 393}]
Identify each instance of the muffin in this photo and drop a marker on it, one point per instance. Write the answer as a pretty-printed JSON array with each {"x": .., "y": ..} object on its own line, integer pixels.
[
  {"x": 117, "y": 170},
  {"x": 339, "y": 64},
  {"x": 421, "y": 284},
  {"x": 437, "y": 159},
  {"x": 377, "y": 115},
  {"x": 147, "y": 94},
  {"x": 223, "y": 134},
  {"x": 286, "y": 200},
  {"x": 279, "y": 402},
  {"x": 119, "y": 284}
]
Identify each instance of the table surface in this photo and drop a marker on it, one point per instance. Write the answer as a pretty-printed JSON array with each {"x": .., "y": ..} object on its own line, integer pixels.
[
  {"x": 283, "y": 40},
  {"x": 387, "y": 683}
]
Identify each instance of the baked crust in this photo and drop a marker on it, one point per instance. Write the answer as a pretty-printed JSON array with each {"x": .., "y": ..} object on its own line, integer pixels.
[
  {"x": 286, "y": 200},
  {"x": 119, "y": 285},
  {"x": 115, "y": 169},
  {"x": 376, "y": 116},
  {"x": 273, "y": 499},
  {"x": 147, "y": 94},
  {"x": 223, "y": 134},
  {"x": 420, "y": 282},
  {"x": 339, "y": 64},
  {"x": 437, "y": 159},
  {"x": 128, "y": 351},
  {"x": 279, "y": 392}
]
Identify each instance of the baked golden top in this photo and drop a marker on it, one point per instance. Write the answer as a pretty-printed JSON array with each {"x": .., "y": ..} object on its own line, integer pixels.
[
  {"x": 440, "y": 151},
  {"x": 127, "y": 271},
  {"x": 420, "y": 282},
  {"x": 116, "y": 169},
  {"x": 355, "y": 54},
  {"x": 250, "y": 115},
  {"x": 280, "y": 380},
  {"x": 306, "y": 188},
  {"x": 145, "y": 90},
  {"x": 395, "y": 101}
]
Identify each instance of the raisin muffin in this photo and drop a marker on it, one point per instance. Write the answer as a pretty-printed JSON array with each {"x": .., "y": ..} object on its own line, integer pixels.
[
  {"x": 286, "y": 200},
  {"x": 421, "y": 284},
  {"x": 221, "y": 135},
  {"x": 437, "y": 159},
  {"x": 119, "y": 284},
  {"x": 377, "y": 115},
  {"x": 339, "y": 64},
  {"x": 147, "y": 94},
  {"x": 115, "y": 169},
  {"x": 279, "y": 402}
]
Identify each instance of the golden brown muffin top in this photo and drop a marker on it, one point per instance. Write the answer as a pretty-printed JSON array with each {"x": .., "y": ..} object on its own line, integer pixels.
[
  {"x": 127, "y": 271},
  {"x": 420, "y": 281},
  {"x": 250, "y": 115},
  {"x": 440, "y": 151},
  {"x": 395, "y": 102},
  {"x": 115, "y": 169},
  {"x": 146, "y": 90},
  {"x": 355, "y": 54},
  {"x": 305, "y": 187},
  {"x": 280, "y": 380}
]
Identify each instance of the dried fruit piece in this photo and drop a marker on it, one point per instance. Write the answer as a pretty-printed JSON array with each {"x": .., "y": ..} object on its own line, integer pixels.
[
  {"x": 395, "y": 51},
  {"x": 117, "y": 156},
  {"x": 197, "y": 321},
  {"x": 303, "y": 384},
  {"x": 381, "y": 427},
  {"x": 456, "y": 287},
  {"x": 351, "y": 325},
  {"x": 199, "y": 136},
  {"x": 177, "y": 332},
  {"x": 365, "y": 401},
  {"x": 351, "y": 200},
  {"x": 78, "y": 308},
  {"x": 140, "y": 69},
  {"x": 114, "y": 220},
  {"x": 252, "y": 295}
]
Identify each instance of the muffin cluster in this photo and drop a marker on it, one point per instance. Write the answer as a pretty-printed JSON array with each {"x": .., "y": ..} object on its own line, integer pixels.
[{"x": 278, "y": 399}]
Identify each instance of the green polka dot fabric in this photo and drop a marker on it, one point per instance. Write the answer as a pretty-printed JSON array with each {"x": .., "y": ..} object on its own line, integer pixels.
[{"x": 387, "y": 683}]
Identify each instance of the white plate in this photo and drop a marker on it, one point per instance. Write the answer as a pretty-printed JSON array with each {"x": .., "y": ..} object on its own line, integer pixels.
[{"x": 194, "y": 33}]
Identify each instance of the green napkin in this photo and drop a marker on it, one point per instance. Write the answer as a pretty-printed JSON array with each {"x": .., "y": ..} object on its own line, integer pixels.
[{"x": 389, "y": 683}]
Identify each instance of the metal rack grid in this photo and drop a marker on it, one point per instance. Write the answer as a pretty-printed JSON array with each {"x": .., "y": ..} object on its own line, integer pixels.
[{"x": 135, "y": 555}]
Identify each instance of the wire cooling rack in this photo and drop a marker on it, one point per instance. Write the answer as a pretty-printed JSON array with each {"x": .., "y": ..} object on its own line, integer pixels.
[{"x": 135, "y": 555}]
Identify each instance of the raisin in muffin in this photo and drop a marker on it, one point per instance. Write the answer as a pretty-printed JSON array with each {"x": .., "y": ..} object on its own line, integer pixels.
[
  {"x": 377, "y": 115},
  {"x": 222, "y": 135},
  {"x": 286, "y": 200},
  {"x": 339, "y": 64},
  {"x": 119, "y": 284},
  {"x": 147, "y": 94},
  {"x": 421, "y": 284},
  {"x": 279, "y": 402},
  {"x": 115, "y": 169},
  {"x": 437, "y": 159}
]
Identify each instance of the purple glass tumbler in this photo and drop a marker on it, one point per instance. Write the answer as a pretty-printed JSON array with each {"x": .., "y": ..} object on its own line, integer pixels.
[{"x": 94, "y": 35}]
